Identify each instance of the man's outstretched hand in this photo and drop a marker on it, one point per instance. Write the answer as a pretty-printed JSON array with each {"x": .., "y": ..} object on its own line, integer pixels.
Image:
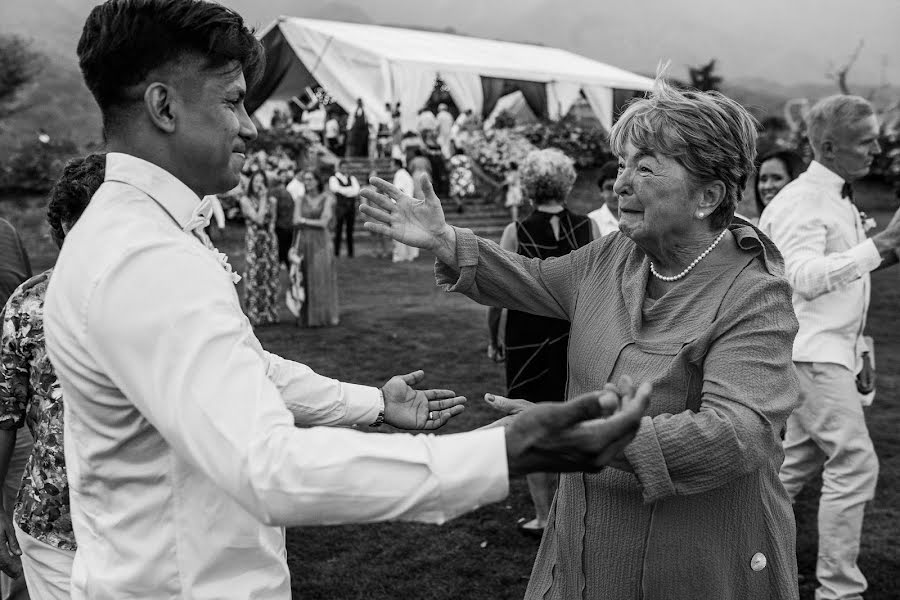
[
  {"x": 584, "y": 434},
  {"x": 408, "y": 408}
]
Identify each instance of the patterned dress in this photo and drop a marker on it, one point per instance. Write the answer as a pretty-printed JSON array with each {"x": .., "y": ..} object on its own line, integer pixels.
[
  {"x": 261, "y": 277},
  {"x": 462, "y": 183},
  {"x": 30, "y": 394}
]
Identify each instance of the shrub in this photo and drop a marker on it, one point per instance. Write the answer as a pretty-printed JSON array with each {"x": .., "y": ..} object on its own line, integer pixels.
[
  {"x": 587, "y": 146},
  {"x": 36, "y": 165}
]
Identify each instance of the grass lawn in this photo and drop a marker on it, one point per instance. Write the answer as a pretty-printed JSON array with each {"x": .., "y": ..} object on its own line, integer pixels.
[{"x": 394, "y": 320}]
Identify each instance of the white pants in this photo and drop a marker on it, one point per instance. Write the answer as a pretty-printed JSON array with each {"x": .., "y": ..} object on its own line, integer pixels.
[
  {"x": 829, "y": 428},
  {"x": 14, "y": 589},
  {"x": 48, "y": 570}
]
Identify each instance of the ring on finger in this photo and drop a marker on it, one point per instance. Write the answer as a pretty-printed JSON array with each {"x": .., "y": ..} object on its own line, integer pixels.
[{"x": 431, "y": 415}]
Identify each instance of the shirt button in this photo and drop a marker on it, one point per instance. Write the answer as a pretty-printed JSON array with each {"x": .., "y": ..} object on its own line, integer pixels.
[{"x": 758, "y": 562}]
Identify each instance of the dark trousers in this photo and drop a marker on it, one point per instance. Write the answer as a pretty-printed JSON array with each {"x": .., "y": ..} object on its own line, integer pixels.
[{"x": 344, "y": 219}]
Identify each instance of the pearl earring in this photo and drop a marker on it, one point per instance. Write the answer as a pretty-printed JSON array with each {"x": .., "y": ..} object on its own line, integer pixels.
[{"x": 700, "y": 214}]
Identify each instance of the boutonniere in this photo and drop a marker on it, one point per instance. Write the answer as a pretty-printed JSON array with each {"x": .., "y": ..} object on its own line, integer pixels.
[
  {"x": 867, "y": 221},
  {"x": 223, "y": 260}
]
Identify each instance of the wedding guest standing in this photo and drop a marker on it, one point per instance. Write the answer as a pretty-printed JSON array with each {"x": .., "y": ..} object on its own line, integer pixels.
[
  {"x": 14, "y": 269},
  {"x": 828, "y": 258},
  {"x": 444, "y": 121},
  {"x": 404, "y": 182},
  {"x": 607, "y": 216},
  {"x": 188, "y": 464},
  {"x": 285, "y": 206},
  {"x": 514, "y": 199},
  {"x": 776, "y": 169},
  {"x": 345, "y": 189},
  {"x": 462, "y": 182},
  {"x": 314, "y": 218},
  {"x": 358, "y": 131},
  {"x": 685, "y": 297},
  {"x": 535, "y": 346},
  {"x": 30, "y": 394},
  {"x": 261, "y": 252}
]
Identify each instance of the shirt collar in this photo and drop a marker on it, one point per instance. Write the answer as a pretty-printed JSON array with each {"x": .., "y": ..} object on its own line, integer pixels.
[
  {"x": 174, "y": 196},
  {"x": 824, "y": 175}
]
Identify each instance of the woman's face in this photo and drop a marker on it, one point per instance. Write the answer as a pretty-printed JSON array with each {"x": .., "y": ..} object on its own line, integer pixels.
[
  {"x": 657, "y": 200},
  {"x": 773, "y": 175},
  {"x": 258, "y": 186},
  {"x": 312, "y": 186}
]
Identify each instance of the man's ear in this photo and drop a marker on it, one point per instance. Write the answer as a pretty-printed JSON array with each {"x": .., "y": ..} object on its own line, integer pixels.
[
  {"x": 158, "y": 101},
  {"x": 827, "y": 148}
]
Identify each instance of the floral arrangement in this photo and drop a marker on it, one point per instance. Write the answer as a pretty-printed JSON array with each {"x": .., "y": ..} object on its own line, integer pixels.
[
  {"x": 588, "y": 145},
  {"x": 497, "y": 149}
]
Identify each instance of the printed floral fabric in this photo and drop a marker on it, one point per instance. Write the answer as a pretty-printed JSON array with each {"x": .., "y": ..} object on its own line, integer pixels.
[
  {"x": 462, "y": 184},
  {"x": 30, "y": 394},
  {"x": 261, "y": 278}
]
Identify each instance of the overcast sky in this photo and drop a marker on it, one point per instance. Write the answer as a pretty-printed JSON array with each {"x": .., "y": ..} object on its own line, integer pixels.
[{"x": 786, "y": 41}]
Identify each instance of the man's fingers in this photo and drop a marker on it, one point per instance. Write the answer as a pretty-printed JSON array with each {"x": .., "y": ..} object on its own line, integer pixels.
[
  {"x": 583, "y": 408},
  {"x": 639, "y": 401},
  {"x": 626, "y": 386},
  {"x": 414, "y": 378},
  {"x": 374, "y": 213},
  {"x": 609, "y": 403},
  {"x": 380, "y": 200},
  {"x": 614, "y": 449},
  {"x": 439, "y": 418},
  {"x": 445, "y": 402}
]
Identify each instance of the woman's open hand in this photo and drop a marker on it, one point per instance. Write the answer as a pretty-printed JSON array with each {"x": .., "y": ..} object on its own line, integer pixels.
[{"x": 418, "y": 223}]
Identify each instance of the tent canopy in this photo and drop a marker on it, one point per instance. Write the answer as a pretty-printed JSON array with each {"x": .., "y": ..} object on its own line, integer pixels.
[{"x": 390, "y": 64}]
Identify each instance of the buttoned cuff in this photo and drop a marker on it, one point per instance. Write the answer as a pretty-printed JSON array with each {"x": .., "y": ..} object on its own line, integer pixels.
[
  {"x": 461, "y": 280},
  {"x": 471, "y": 469},
  {"x": 646, "y": 458},
  {"x": 362, "y": 404},
  {"x": 865, "y": 256}
]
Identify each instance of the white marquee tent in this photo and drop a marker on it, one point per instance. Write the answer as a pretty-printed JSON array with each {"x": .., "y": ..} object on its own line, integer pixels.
[{"x": 389, "y": 64}]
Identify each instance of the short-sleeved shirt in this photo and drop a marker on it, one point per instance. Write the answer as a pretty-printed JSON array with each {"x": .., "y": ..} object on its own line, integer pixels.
[{"x": 31, "y": 394}]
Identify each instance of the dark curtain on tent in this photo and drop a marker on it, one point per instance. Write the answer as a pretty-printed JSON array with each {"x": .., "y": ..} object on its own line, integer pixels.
[
  {"x": 621, "y": 98},
  {"x": 495, "y": 88},
  {"x": 280, "y": 61}
]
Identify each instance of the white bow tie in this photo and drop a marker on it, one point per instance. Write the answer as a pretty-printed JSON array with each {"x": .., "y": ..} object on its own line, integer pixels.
[{"x": 201, "y": 216}]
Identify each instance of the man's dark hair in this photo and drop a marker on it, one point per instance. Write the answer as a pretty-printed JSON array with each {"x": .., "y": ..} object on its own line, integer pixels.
[
  {"x": 123, "y": 41},
  {"x": 72, "y": 192},
  {"x": 609, "y": 170}
]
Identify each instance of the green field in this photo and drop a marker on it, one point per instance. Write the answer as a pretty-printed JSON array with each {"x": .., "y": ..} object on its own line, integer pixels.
[{"x": 394, "y": 320}]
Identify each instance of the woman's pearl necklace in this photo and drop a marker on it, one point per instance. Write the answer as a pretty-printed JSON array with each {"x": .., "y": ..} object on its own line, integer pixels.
[{"x": 692, "y": 265}]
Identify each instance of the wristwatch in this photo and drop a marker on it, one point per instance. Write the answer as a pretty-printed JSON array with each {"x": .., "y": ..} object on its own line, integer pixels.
[{"x": 379, "y": 420}]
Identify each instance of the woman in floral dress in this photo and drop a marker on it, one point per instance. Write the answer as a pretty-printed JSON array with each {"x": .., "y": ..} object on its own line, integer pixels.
[
  {"x": 462, "y": 183},
  {"x": 261, "y": 278}
]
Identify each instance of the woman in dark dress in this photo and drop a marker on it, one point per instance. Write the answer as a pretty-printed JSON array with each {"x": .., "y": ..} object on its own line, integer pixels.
[{"x": 535, "y": 346}]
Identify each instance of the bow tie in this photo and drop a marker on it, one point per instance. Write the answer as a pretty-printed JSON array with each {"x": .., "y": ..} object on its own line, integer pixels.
[
  {"x": 201, "y": 216},
  {"x": 847, "y": 191}
]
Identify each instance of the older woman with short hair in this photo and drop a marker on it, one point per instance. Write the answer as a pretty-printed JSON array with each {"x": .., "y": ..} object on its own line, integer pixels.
[{"x": 682, "y": 297}]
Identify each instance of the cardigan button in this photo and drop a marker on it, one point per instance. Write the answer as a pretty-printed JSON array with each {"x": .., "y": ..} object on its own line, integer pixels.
[{"x": 758, "y": 562}]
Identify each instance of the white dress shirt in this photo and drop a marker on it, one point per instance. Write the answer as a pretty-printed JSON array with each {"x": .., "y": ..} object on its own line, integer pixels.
[
  {"x": 605, "y": 220},
  {"x": 827, "y": 261},
  {"x": 338, "y": 187},
  {"x": 182, "y": 459}
]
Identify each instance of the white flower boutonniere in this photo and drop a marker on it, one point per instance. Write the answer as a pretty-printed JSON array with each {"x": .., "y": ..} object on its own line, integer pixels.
[
  {"x": 223, "y": 260},
  {"x": 867, "y": 221}
]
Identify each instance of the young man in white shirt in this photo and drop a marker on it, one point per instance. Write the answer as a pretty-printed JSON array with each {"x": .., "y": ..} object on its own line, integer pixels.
[
  {"x": 607, "y": 216},
  {"x": 828, "y": 259},
  {"x": 183, "y": 460},
  {"x": 346, "y": 191}
]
